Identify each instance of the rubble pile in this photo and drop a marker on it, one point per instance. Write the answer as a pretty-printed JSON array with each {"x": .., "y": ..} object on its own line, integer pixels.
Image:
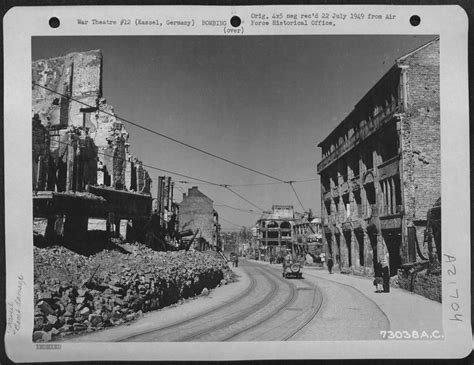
[{"x": 75, "y": 293}]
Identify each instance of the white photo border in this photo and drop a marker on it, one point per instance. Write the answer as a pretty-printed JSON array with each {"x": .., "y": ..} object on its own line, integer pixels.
[{"x": 450, "y": 22}]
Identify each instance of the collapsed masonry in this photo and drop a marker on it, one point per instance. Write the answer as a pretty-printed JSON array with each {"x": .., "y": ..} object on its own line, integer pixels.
[
  {"x": 72, "y": 121},
  {"x": 80, "y": 148}
]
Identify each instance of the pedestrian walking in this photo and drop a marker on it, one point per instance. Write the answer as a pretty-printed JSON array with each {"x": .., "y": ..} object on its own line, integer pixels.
[
  {"x": 385, "y": 274},
  {"x": 378, "y": 281},
  {"x": 330, "y": 265},
  {"x": 236, "y": 261}
]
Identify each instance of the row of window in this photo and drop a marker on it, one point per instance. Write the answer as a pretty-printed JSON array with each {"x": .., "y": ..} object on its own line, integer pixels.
[
  {"x": 365, "y": 203},
  {"x": 362, "y": 159}
]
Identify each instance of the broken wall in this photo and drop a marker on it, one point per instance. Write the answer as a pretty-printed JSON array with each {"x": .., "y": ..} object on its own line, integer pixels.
[
  {"x": 111, "y": 139},
  {"x": 421, "y": 132},
  {"x": 77, "y": 75},
  {"x": 40, "y": 154},
  {"x": 196, "y": 212},
  {"x": 74, "y": 99}
]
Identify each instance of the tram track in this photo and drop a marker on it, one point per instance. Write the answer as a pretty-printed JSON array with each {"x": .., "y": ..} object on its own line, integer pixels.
[
  {"x": 240, "y": 316},
  {"x": 235, "y": 299},
  {"x": 291, "y": 298},
  {"x": 268, "y": 318},
  {"x": 317, "y": 305},
  {"x": 309, "y": 315}
]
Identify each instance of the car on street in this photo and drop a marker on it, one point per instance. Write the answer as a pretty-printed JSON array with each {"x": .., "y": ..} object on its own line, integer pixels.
[{"x": 292, "y": 269}]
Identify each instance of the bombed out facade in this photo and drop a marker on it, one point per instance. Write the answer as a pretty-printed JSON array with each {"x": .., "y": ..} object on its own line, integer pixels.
[
  {"x": 381, "y": 169},
  {"x": 197, "y": 213},
  {"x": 71, "y": 117},
  {"x": 81, "y": 167},
  {"x": 275, "y": 230}
]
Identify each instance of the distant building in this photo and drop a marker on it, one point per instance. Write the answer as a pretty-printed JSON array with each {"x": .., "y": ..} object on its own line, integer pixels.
[
  {"x": 381, "y": 169},
  {"x": 307, "y": 233},
  {"x": 196, "y": 211},
  {"x": 274, "y": 229}
]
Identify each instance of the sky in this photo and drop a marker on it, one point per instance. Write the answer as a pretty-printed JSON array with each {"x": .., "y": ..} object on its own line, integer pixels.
[{"x": 261, "y": 101}]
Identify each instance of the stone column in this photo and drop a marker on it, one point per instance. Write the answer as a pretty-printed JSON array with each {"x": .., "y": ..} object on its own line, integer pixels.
[
  {"x": 128, "y": 174},
  {"x": 343, "y": 251},
  {"x": 39, "y": 174},
  {"x": 355, "y": 251},
  {"x": 335, "y": 250},
  {"x": 71, "y": 159},
  {"x": 382, "y": 251},
  {"x": 394, "y": 195},
  {"x": 369, "y": 253}
]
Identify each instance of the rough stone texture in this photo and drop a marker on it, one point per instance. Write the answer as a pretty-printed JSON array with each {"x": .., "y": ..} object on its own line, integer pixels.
[
  {"x": 111, "y": 139},
  {"x": 196, "y": 212},
  {"x": 78, "y": 75},
  {"x": 421, "y": 134},
  {"x": 75, "y": 293},
  {"x": 40, "y": 151},
  {"x": 422, "y": 282}
]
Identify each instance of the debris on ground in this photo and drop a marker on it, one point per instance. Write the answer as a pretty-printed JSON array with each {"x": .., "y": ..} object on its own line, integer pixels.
[{"x": 75, "y": 293}]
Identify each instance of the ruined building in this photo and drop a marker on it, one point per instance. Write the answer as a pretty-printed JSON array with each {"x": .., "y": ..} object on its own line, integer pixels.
[
  {"x": 196, "y": 212},
  {"x": 69, "y": 109},
  {"x": 81, "y": 164},
  {"x": 275, "y": 230},
  {"x": 381, "y": 170},
  {"x": 307, "y": 233}
]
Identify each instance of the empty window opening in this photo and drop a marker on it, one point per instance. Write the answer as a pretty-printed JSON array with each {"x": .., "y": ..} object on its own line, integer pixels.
[
  {"x": 272, "y": 225},
  {"x": 347, "y": 238},
  {"x": 325, "y": 182},
  {"x": 347, "y": 206},
  {"x": 338, "y": 249},
  {"x": 285, "y": 225},
  {"x": 329, "y": 243},
  {"x": 360, "y": 241},
  {"x": 358, "y": 202},
  {"x": 273, "y": 234},
  {"x": 336, "y": 205},
  {"x": 389, "y": 143},
  {"x": 343, "y": 170},
  {"x": 354, "y": 165},
  {"x": 371, "y": 201},
  {"x": 369, "y": 159},
  {"x": 327, "y": 205}
]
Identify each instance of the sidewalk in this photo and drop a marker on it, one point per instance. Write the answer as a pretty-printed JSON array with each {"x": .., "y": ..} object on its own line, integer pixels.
[{"x": 406, "y": 311}]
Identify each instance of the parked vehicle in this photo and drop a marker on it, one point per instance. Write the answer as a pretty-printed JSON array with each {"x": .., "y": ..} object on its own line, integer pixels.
[{"x": 292, "y": 268}]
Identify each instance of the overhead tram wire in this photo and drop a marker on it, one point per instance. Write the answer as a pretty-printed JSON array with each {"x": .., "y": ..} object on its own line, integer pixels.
[
  {"x": 160, "y": 134},
  {"x": 174, "y": 173},
  {"x": 273, "y": 183},
  {"x": 241, "y": 197},
  {"x": 225, "y": 205},
  {"x": 228, "y": 221},
  {"x": 240, "y": 210},
  {"x": 261, "y": 184},
  {"x": 154, "y": 167},
  {"x": 297, "y": 197},
  {"x": 179, "y": 142}
]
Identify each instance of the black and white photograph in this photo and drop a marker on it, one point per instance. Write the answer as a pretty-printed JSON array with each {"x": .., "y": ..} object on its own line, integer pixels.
[{"x": 281, "y": 188}]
